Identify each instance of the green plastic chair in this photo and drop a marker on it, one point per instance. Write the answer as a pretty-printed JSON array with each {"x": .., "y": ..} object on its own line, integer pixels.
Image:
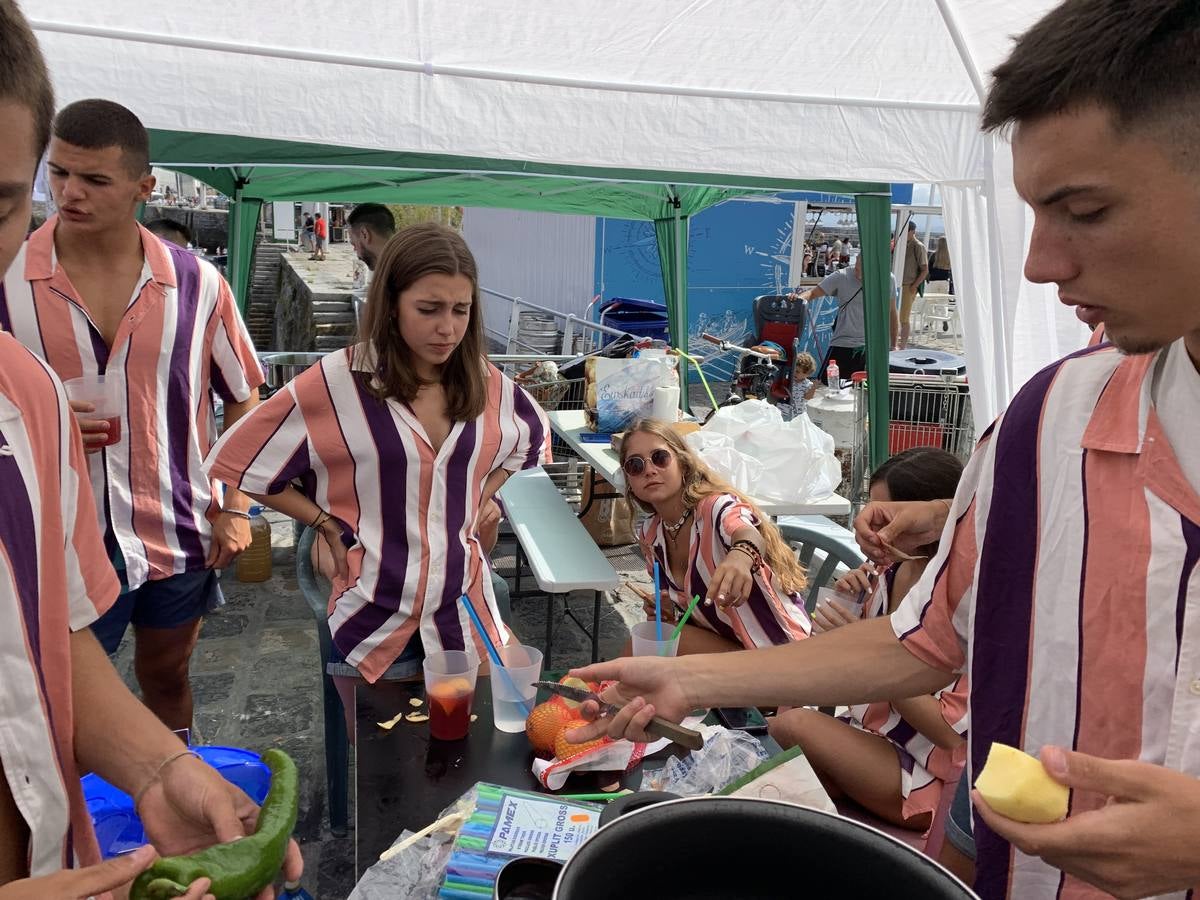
[{"x": 807, "y": 540}]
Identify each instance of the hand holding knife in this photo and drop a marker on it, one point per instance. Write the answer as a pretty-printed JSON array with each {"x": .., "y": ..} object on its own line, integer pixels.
[{"x": 658, "y": 726}]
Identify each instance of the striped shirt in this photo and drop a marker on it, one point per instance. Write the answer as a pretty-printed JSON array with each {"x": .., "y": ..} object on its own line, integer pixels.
[
  {"x": 1066, "y": 584},
  {"x": 410, "y": 509},
  {"x": 54, "y": 579},
  {"x": 180, "y": 339},
  {"x": 770, "y": 616},
  {"x": 924, "y": 766}
]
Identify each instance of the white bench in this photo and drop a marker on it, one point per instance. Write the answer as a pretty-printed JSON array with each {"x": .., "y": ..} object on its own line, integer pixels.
[{"x": 562, "y": 555}]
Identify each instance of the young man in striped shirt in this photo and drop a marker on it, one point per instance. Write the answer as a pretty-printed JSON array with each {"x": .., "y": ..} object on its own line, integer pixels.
[
  {"x": 1066, "y": 581},
  {"x": 93, "y": 292}
]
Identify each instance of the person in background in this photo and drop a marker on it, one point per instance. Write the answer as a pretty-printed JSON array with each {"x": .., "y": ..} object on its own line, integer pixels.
[
  {"x": 848, "y": 342},
  {"x": 711, "y": 540},
  {"x": 306, "y": 234},
  {"x": 371, "y": 226},
  {"x": 397, "y": 444},
  {"x": 64, "y": 709},
  {"x": 891, "y": 758},
  {"x": 847, "y": 252},
  {"x": 803, "y": 387},
  {"x": 835, "y": 253},
  {"x": 93, "y": 292},
  {"x": 916, "y": 269},
  {"x": 320, "y": 237},
  {"x": 939, "y": 264},
  {"x": 170, "y": 230}
]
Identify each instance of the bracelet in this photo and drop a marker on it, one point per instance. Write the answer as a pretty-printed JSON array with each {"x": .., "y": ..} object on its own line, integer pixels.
[
  {"x": 237, "y": 512},
  {"x": 157, "y": 776},
  {"x": 948, "y": 505},
  {"x": 748, "y": 548},
  {"x": 319, "y": 519}
]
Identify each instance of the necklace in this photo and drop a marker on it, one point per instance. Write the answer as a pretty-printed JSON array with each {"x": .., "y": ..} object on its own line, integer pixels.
[{"x": 672, "y": 528}]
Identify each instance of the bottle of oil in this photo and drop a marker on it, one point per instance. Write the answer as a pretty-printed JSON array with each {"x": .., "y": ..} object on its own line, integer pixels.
[{"x": 255, "y": 562}]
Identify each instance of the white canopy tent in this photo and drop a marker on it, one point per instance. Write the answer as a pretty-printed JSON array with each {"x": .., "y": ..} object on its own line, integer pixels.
[{"x": 883, "y": 91}]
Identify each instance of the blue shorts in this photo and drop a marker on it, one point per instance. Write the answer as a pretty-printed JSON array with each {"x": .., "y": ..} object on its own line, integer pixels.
[
  {"x": 165, "y": 603},
  {"x": 959, "y": 831}
]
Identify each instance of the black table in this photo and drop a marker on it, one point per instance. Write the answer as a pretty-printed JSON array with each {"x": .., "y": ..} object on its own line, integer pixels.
[{"x": 404, "y": 778}]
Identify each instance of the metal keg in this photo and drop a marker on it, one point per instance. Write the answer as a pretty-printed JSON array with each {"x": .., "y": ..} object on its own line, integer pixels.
[{"x": 537, "y": 332}]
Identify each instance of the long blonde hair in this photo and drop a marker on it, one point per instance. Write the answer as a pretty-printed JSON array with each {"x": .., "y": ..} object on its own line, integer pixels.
[{"x": 699, "y": 482}]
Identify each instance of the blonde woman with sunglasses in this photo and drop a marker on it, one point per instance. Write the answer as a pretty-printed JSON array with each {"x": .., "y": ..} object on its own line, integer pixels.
[{"x": 710, "y": 540}]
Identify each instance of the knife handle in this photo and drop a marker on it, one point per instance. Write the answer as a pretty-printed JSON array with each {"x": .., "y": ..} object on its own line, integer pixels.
[{"x": 685, "y": 737}]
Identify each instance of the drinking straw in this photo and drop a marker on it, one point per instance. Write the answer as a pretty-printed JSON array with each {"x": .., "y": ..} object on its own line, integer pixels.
[
  {"x": 657, "y": 603},
  {"x": 686, "y": 613},
  {"x": 497, "y": 662},
  {"x": 602, "y": 797}
]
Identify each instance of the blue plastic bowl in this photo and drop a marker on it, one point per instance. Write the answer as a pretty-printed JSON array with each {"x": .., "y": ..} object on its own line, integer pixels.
[{"x": 118, "y": 828}]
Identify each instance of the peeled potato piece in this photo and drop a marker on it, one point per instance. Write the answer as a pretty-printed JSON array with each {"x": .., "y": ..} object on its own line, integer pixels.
[{"x": 1017, "y": 786}]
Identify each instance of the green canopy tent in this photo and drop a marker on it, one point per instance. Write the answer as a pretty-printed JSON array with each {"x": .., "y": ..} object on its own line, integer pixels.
[{"x": 252, "y": 171}]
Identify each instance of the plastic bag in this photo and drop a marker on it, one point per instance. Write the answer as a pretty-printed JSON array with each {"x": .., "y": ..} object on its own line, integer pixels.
[
  {"x": 726, "y": 756},
  {"x": 717, "y": 450},
  {"x": 796, "y": 457}
]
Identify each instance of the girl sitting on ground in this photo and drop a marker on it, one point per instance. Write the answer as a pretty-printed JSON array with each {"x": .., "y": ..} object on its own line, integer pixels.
[
  {"x": 891, "y": 758},
  {"x": 710, "y": 540}
]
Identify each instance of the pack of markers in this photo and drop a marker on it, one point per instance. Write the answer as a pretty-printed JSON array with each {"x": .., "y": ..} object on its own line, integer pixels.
[{"x": 507, "y": 823}]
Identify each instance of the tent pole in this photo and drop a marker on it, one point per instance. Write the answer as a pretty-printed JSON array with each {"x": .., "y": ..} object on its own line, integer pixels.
[
  {"x": 874, "y": 213},
  {"x": 243, "y": 222}
]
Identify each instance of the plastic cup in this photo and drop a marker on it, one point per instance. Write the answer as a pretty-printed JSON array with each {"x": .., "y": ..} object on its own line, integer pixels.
[
  {"x": 514, "y": 696},
  {"x": 645, "y": 642},
  {"x": 849, "y": 603},
  {"x": 450, "y": 689},
  {"x": 104, "y": 393}
]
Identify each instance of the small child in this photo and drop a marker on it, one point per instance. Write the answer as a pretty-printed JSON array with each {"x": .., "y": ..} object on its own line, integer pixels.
[{"x": 803, "y": 387}]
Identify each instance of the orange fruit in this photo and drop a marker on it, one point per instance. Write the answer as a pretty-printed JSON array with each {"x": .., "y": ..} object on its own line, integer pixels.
[
  {"x": 564, "y": 749},
  {"x": 545, "y": 723},
  {"x": 572, "y": 681}
]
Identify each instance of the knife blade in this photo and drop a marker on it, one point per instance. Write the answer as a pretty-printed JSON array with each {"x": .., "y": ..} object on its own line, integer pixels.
[{"x": 657, "y": 727}]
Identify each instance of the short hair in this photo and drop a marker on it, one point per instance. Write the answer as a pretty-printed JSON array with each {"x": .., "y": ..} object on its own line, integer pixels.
[
  {"x": 912, "y": 226},
  {"x": 165, "y": 227},
  {"x": 23, "y": 76},
  {"x": 96, "y": 124},
  {"x": 374, "y": 216},
  {"x": 1136, "y": 58}
]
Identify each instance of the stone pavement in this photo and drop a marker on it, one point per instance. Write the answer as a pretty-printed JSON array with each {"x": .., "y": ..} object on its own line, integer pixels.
[{"x": 256, "y": 679}]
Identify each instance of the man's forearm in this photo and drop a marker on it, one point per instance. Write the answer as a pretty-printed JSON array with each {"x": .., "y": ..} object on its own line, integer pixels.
[
  {"x": 857, "y": 663},
  {"x": 115, "y": 735},
  {"x": 235, "y": 499}
]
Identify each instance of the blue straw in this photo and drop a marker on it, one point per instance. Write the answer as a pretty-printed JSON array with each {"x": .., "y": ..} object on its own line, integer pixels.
[
  {"x": 497, "y": 663},
  {"x": 657, "y": 603}
]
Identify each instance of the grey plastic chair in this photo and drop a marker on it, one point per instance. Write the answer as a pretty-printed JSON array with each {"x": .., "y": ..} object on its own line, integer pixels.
[
  {"x": 337, "y": 742},
  {"x": 807, "y": 540}
]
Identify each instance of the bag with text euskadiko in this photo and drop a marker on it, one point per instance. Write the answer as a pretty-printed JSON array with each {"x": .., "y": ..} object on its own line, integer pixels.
[{"x": 620, "y": 391}]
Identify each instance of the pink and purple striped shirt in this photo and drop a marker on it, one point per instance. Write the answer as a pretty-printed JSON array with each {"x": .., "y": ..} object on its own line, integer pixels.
[
  {"x": 181, "y": 339},
  {"x": 54, "y": 579},
  {"x": 1066, "y": 585},
  {"x": 410, "y": 508}
]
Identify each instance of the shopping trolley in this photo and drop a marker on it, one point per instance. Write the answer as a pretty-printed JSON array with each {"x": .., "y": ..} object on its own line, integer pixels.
[{"x": 924, "y": 411}]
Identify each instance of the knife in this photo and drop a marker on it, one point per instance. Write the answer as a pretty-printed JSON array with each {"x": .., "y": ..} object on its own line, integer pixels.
[{"x": 657, "y": 727}]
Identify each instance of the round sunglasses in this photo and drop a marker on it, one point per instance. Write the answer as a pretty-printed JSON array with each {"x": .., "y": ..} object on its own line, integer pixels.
[{"x": 636, "y": 465}]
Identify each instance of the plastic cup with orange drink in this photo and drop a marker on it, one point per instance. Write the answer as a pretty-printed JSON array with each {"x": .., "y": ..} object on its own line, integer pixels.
[{"x": 449, "y": 690}]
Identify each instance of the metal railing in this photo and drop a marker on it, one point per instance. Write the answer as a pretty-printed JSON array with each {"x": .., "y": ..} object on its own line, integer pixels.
[{"x": 579, "y": 335}]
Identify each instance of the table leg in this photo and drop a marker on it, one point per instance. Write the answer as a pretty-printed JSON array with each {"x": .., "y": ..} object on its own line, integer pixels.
[
  {"x": 596, "y": 628},
  {"x": 549, "y": 631}
]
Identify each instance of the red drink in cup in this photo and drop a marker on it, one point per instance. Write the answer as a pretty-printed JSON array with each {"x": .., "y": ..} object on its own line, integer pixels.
[
  {"x": 449, "y": 689},
  {"x": 450, "y": 709},
  {"x": 114, "y": 430},
  {"x": 104, "y": 393}
]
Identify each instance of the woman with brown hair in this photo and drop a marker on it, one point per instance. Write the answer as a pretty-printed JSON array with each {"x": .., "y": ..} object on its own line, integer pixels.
[
  {"x": 711, "y": 540},
  {"x": 392, "y": 448}
]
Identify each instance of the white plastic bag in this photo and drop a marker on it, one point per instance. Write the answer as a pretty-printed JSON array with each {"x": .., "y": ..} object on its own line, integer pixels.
[
  {"x": 797, "y": 458},
  {"x": 726, "y": 756},
  {"x": 718, "y": 451}
]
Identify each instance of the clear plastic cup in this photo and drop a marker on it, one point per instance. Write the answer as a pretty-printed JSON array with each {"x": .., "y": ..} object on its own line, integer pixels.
[
  {"x": 850, "y": 603},
  {"x": 450, "y": 690},
  {"x": 646, "y": 643},
  {"x": 513, "y": 693},
  {"x": 104, "y": 393}
]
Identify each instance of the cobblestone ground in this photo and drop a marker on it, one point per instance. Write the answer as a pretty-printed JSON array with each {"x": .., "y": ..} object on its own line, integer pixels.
[{"x": 256, "y": 679}]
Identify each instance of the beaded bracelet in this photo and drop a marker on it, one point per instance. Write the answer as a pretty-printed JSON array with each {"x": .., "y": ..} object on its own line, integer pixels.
[{"x": 751, "y": 551}]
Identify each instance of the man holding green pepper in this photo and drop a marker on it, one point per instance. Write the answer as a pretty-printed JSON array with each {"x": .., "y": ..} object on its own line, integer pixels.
[{"x": 63, "y": 709}]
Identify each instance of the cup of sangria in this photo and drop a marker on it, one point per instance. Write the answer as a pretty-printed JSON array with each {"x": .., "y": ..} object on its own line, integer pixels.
[{"x": 449, "y": 691}]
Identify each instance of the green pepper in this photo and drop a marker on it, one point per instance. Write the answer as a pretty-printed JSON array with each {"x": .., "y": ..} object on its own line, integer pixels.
[{"x": 241, "y": 868}]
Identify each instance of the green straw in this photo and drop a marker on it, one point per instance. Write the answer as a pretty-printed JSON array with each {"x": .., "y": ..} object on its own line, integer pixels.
[
  {"x": 602, "y": 797},
  {"x": 687, "y": 612},
  {"x": 700, "y": 372}
]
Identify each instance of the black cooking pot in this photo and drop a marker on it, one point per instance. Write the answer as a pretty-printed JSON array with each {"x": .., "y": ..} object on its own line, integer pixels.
[{"x": 738, "y": 848}]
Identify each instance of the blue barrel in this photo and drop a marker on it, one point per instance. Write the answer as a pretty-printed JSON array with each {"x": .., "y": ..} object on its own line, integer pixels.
[
  {"x": 118, "y": 828},
  {"x": 643, "y": 318}
]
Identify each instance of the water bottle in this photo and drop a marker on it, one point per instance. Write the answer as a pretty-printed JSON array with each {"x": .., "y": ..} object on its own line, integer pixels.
[
  {"x": 833, "y": 378},
  {"x": 255, "y": 562},
  {"x": 293, "y": 891}
]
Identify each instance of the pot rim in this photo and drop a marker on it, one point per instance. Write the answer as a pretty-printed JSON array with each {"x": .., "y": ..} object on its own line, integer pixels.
[{"x": 709, "y": 798}]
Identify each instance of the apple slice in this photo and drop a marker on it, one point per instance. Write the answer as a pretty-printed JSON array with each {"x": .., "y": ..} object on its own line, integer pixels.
[{"x": 1018, "y": 786}]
